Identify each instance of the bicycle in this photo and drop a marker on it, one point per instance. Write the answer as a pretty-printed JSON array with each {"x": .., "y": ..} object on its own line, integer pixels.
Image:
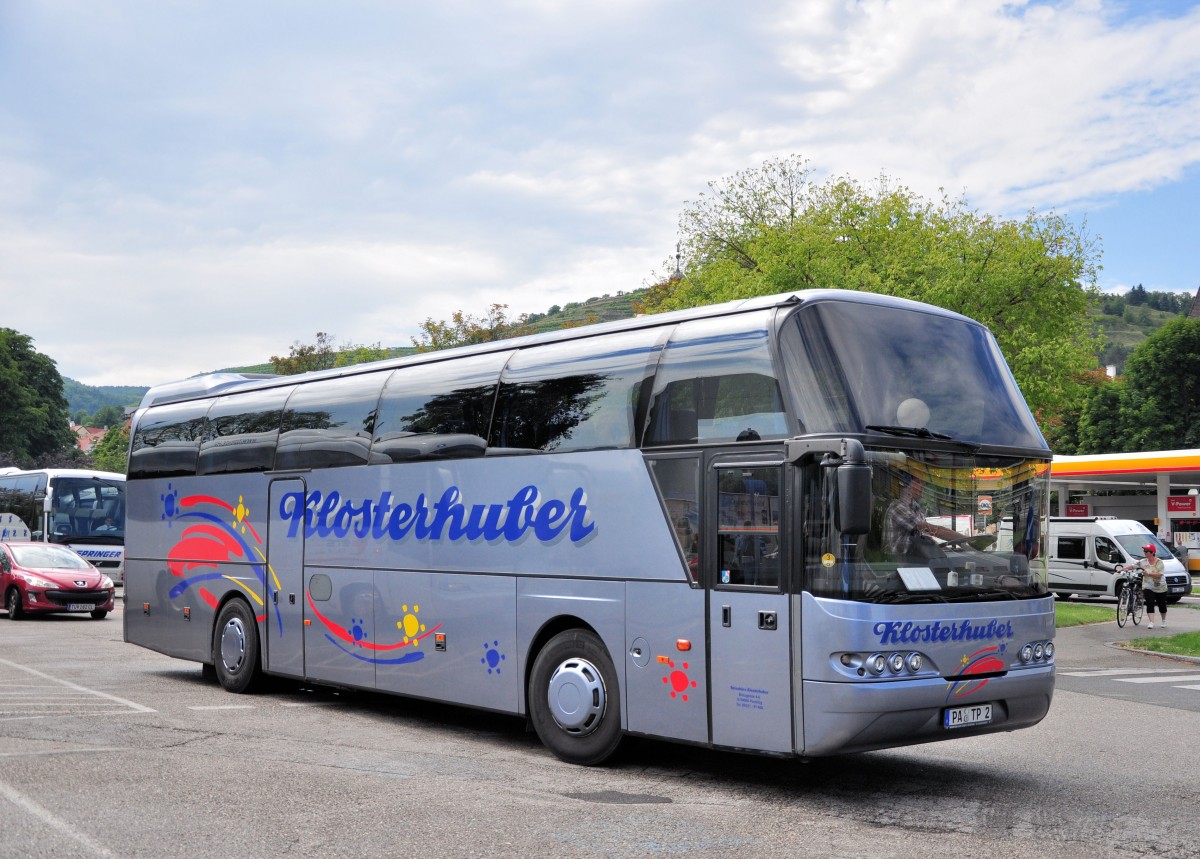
[{"x": 1131, "y": 602}]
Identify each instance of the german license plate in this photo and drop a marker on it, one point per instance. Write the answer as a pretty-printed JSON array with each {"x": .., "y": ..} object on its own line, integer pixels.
[
  {"x": 961, "y": 717},
  {"x": 80, "y": 606},
  {"x": 1178, "y": 589}
]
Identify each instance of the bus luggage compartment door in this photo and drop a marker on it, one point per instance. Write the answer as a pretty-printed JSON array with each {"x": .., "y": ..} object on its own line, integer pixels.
[
  {"x": 751, "y": 670},
  {"x": 284, "y": 587}
]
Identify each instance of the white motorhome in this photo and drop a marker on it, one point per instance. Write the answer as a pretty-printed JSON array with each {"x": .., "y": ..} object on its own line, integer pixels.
[{"x": 1088, "y": 555}]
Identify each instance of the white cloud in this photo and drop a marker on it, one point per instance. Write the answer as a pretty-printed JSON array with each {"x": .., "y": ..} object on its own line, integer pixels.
[{"x": 184, "y": 188}]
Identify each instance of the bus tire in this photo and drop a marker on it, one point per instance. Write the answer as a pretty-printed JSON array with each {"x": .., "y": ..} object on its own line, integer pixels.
[
  {"x": 574, "y": 700},
  {"x": 12, "y": 601},
  {"x": 235, "y": 648}
]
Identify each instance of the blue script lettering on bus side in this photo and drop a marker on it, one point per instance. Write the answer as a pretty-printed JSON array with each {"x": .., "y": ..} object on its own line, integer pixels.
[
  {"x": 909, "y": 632},
  {"x": 329, "y": 515}
]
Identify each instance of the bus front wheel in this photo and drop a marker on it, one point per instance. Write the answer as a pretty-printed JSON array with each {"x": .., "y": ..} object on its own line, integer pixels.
[
  {"x": 574, "y": 702},
  {"x": 235, "y": 647}
]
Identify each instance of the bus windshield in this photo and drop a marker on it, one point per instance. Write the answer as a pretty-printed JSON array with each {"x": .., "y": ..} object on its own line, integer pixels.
[
  {"x": 884, "y": 369},
  {"x": 87, "y": 510},
  {"x": 945, "y": 527}
]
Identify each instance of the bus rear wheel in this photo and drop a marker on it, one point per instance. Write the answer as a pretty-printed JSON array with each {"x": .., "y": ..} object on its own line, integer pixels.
[
  {"x": 235, "y": 648},
  {"x": 574, "y": 702}
]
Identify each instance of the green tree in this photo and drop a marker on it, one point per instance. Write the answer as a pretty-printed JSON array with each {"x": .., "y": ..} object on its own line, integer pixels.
[
  {"x": 111, "y": 453},
  {"x": 1100, "y": 420},
  {"x": 463, "y": 329},
  {"x": 775, "y": 230},
  {"x": 35, "y": 421},
  {"x": 304, "y": 357},
  {"x": 107, "y": 416},
  {"x": 1161, "y": 402},
  {"x": 321, "y": 354}
]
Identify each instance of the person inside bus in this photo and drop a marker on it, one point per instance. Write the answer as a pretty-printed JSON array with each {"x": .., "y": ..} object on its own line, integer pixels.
[
  {"x": 107, "y": 525},
  {"x": 906, "y": 533}
]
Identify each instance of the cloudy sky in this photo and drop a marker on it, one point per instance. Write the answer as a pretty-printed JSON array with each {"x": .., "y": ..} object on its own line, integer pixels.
[{"x": 186, "y": 185}]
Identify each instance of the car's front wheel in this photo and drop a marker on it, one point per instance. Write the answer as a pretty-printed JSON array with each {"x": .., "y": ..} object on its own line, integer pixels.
[
  {"x": 99, "y": 614},
  {"x": 12, "y": 601}
]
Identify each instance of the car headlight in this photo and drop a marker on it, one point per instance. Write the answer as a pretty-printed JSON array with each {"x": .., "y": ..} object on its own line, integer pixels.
[
  {"x": 36, "y": 581},
  {"x": 106, "y": 584}
]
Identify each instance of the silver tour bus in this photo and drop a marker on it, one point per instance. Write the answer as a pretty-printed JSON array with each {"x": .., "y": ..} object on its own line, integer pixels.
[{"x": 802, "y": 525}]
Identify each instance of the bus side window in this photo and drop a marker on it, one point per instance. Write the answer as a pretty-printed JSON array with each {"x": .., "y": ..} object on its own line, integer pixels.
[
  {"x": 167, "y": 440},
  {"x": 438, "y": 410},
  {"x": 677, "y": 480},
  {"x": 330, "y": 422},
  {"x": 578, "y": 395},
  {"x": 715, "y": 382},
  {"x": 242, "y": 431}
]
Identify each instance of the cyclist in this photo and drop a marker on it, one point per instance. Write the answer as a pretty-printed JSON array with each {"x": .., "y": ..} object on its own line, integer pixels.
[{"x": 1154, "y": 584}]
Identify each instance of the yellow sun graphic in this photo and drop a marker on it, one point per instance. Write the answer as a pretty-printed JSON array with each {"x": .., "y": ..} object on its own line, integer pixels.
[
  {"x": 240, "y": 513},
  {"x": 410, "y": 624}
]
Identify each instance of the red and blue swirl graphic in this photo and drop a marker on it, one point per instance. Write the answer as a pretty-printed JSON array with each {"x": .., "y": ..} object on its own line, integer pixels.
[
  {"x": 984, "y": 661},
  {"x": 210, "y": 539},
  {"x": 216, "y": 532}
]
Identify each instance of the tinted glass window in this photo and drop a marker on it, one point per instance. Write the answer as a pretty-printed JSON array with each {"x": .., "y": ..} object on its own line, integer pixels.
[
  {"x": 748, "y": 526},
  {"x": 241, "y": 432},
  {"x": 167, "y": 440},
  {"x": 1072, "y": 548},
  {"x": 858, "y": 365},
  {"x": 678, "y": 483},
  {"x": 330, "y": 423},
  {"x": 716, "y": 383},
  {"x": 582, "y": 394},
  {"x": 439, "y": 410}
]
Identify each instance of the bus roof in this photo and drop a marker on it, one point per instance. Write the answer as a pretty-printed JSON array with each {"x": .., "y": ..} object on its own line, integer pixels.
[{"x": 203, "y": 386}]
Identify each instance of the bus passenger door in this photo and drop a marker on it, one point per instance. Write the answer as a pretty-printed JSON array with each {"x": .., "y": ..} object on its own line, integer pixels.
[
  {"x": 748, "y": 609},
  {"x": 285, "y": 584}
]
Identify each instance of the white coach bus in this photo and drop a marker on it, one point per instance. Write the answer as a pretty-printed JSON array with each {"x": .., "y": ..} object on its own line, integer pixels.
[{"x": 76, "y": 507}]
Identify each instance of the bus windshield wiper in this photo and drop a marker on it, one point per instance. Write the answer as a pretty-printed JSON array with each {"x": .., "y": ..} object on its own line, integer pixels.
[
  {"x": 920, "y": 432},
  {"x": 914, "y": 432}
]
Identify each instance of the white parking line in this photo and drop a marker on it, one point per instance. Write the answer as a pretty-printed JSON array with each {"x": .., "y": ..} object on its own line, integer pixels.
[
  {"x": 1170, "y": 679},
  {"x": 225, "y": 707},
  {"x": 1112, "y": 672},
  {"x": 50, "y": 819},
  {"x": 139, "y": 708}
]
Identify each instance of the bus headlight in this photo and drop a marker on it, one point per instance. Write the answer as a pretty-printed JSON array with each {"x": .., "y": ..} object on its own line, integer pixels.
[
  {"x": 895, "y": 663},
  {"x": 1026, "y": 654},
  {"x": 915, "y": 662},
  {"x": 1038, "y": 651},
  {"x": 1049, "y": 650},
  {"x": 876, "y": 663}
]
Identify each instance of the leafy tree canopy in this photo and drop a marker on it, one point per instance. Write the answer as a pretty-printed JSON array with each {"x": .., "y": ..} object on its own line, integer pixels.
[
  {"x": 1161, "y": 393},
  {"x": 321, "y": 354},
  {"x": 463, "y": 329},
  {"x": 773, "y": 229},
  {"x": 111, "y": 453},
  {"x": 35, "y": 421}
]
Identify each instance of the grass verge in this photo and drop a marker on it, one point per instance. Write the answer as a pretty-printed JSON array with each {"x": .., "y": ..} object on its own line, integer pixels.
[
  {"x": 1075, "y": 614},
  {"x": 1181, "y": 644}
]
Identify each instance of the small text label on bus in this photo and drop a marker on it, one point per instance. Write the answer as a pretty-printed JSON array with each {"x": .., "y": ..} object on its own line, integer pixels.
[{"x": 909, "y": 632}]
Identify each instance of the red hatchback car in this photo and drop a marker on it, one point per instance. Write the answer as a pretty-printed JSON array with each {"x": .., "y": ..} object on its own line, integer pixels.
[{"x": 40, "y": 578}]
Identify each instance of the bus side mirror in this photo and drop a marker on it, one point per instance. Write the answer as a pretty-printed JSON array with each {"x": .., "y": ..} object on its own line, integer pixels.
[{"x": 854, "y": 498}]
